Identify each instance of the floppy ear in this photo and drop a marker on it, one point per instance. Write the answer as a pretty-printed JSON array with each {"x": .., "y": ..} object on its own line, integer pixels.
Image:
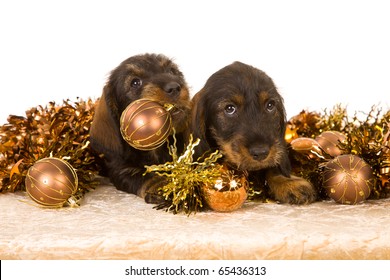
[
  {"x": 105, "y": 135},
  {"x": 285, "y": 165},
  {"x": 283, "y": 115},
  {"x": 199, "y": 122}
]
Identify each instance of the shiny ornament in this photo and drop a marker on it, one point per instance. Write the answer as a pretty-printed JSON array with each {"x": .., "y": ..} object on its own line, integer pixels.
[
  {"x": 306, "y": 146},
  {"x": 348, "y": 179},
  {"x": 228, "y": 193},
  {"x": 329, "y": 142},
  {"x": 145, "y": 124},
  {"x": 51, "y": 182}
]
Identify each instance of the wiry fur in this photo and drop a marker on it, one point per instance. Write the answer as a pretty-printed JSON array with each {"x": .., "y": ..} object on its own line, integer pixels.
[
  {"x": 240, "y": 112},
  {"x": 149, "y": 76}
]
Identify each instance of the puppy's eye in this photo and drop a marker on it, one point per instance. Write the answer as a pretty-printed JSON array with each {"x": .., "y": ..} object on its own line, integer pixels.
[
  {"x": 270, "y": 105},
  {"x": 136, "y": 83},
  {"x": 230, "y": 109}
]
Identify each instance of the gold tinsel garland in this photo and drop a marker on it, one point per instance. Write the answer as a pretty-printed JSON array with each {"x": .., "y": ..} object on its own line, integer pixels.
[{"x": 57, "y": 130}]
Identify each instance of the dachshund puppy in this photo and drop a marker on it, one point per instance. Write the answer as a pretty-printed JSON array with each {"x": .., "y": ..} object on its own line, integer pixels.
[
  {"x": 148, "y": 76},
  {"x": 240, "y": 112}
]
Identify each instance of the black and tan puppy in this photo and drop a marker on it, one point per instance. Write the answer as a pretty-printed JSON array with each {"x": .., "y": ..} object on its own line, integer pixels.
[
  {"x": 148, "y": 76},
  {"x": 240, "y": 112}
]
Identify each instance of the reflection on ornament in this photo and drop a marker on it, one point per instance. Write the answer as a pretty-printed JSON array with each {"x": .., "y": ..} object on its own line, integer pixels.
[
  {"x": 227, "y": 193},
  {"x": 329, "y": 141},
  {"x": 348, "y": 179},
  {"x": 51, "y": 182},
  {"x": 145, "y": 124}
]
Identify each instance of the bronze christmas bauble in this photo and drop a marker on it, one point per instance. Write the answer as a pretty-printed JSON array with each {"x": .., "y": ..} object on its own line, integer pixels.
[
  {"x": 228, "y": 193},
  {"x": 329, "y": 141},
  {"x": 306, "y": 146},
  {"x": 348, "y": 179},
  {"x": 51, "y": 182},
  {"x": 145, "y": 124}
]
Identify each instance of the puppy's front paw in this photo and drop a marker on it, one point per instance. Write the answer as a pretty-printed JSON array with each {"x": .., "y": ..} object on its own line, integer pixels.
[
  {"x": 154, "y": 198},
  {"x": 150, "y": 190},
  {"x": 293, "y": 190}
]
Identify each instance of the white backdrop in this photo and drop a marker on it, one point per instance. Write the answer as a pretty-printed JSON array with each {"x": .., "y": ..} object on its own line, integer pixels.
[{"x": 318, "y": 53}]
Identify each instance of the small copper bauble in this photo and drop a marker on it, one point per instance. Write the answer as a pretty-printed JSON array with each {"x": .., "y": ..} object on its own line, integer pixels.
[
  {"x": 51, "y": 182},
  {"x": 228, "y": 193},
  {"x": 348, "y": 179},
  {"x": 306, "y": 145},
  {"x": 145, "y": 124},
  {"x": 329, "y": 141}
]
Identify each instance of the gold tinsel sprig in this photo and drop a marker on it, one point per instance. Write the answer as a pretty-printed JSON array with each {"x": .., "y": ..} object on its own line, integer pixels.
[
  {"x": 185, "y": 177},
  {"x": 58, "y": 130}
]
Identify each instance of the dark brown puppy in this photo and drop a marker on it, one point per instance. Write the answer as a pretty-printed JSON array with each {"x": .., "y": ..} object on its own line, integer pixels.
[
  {"x": 143, "y": 76},
  {"x": 240, "y": 112}
]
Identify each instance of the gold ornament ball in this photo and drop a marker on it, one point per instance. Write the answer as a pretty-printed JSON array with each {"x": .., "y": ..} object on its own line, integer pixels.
[
  {"x": 51, "y": 182},
  {"x": 145, "y": 124},
  {"x": 329, "y": 141},
  {"x": 228, "y": 193},
  {"x": 348, "y": 179}
]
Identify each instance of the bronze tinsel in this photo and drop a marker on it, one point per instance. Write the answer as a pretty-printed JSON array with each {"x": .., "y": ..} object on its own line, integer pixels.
[{"x": 58, "y": 130}]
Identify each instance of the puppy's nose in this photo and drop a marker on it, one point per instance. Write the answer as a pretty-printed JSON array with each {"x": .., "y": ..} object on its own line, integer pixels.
[
  {"x": 172, "y": 88},
  {"x": 259, "y": 152}
]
